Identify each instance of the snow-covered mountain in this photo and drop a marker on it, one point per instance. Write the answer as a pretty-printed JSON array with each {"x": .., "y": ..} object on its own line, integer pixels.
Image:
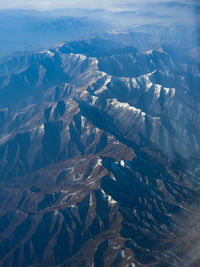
[{"x": 99, "y": 156}]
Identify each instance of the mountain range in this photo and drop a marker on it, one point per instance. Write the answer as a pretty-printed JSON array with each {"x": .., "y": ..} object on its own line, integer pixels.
[{"x": 99, "y": 154}]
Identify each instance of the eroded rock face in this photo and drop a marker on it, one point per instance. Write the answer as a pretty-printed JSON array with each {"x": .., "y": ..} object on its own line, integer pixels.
[{"x": 99, "y": 158}]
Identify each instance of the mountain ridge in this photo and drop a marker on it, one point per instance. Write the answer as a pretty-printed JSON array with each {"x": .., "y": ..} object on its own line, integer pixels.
[{"x": 104, "y": 168}]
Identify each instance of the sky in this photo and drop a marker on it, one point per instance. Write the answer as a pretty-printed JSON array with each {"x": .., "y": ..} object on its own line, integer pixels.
[
  {"x": 89, "y": 4},
  {"x": 51, "y": 4}
]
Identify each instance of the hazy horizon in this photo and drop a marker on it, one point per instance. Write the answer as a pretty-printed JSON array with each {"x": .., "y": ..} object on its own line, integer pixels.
[{"x": 110, "y": 5}]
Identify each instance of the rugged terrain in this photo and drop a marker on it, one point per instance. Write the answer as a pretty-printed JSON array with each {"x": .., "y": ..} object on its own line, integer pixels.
[{"x": 99, "y": 156}]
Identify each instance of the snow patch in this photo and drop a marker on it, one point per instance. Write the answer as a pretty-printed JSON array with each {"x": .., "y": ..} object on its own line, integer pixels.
[
  {"x": 149, "y": 52},
  {"x": 5, "y": 138},
  {"x": 173, "y": 91},
  {"x": 157, "y": 90},
  {"x": 134, "y": 82},
  {"x": 56, "y": 213},
  {"x": 166, "y": 90},
  {"x": 112, "y": 177},
  {"x": 41, "y": 128},
  {"x": 66, "y": 197},
  {"x": 78, "y": 56},
  {"x": 148, "y": 83},
  {"x": 110, "y": 200},
  {"x": 130, "y": 265},
  {"x": 99, "y": 162},
  {"x": 50, "y": 53},
  {"x": 47, "y": 52},
  {"x": 169, "y": 90},
  {"x": 122, "y": 163},
  {"x": 126, "y": 106},
  {"x": 104, "y": 87},
  {"x": 91, "y": 200},
  {"x": 73, "y": 206},
  {"x": 94, "y": 99},
  {"x": 95, "y": 61},
  {"x": 123, "y": 254},
  {"x": 83, "y": 120}
]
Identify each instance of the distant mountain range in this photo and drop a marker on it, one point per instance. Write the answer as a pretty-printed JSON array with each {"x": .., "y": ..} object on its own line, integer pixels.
[{"x": 33, "y": 30}]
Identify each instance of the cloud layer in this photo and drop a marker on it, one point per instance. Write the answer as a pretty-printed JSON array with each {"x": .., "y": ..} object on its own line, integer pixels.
[{"x": 89, "y": 4}]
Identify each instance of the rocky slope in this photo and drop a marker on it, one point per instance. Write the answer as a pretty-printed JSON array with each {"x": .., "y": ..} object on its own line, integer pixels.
[{"x": 99, "y": 157}]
